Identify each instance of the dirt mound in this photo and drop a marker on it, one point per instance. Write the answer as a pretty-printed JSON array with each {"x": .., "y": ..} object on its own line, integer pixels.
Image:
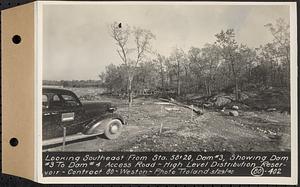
[
  {"x": 218, "y": 100},
  {"x": 275, "y": 98},
  {"x": 221, "y": 101},
  {"x": 278, "y": 98}
]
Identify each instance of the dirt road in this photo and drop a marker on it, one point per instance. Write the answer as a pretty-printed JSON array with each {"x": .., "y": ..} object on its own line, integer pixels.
[{"x": 155, "y": 126}]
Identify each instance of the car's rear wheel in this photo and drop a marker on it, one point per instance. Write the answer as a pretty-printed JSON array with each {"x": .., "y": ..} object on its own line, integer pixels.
[{"x": 113, "y": 129}]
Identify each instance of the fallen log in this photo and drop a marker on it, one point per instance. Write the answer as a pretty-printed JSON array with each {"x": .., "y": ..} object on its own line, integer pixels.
[{"x": 195, "y": 109}]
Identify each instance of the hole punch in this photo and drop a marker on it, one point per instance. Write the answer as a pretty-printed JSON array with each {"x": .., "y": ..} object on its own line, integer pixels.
[
  {"x": 16, "y": 39},
  {"x": 13, "y": 142}
]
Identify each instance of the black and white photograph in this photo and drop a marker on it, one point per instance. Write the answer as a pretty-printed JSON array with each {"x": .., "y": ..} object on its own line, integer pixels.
[
  {"x": 148, "y": 92},
  {"x": 167, "y": 89},
  {"x": 147, "y": 78}
]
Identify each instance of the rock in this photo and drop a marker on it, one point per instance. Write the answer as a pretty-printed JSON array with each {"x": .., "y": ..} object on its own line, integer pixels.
[
  {"x": 221, "y": 101},
  {"x": 234, "y": 107},
  {"x": 271, "y": 109},
  {"x": 274, "y": 136},
  {"x": 207, "y": 105},
  {"x": 145, "y": 136},
  {"x": 243, "y": 97},
  {"x": 233, "y": 113},
  {"x": 272, "y": 133}
]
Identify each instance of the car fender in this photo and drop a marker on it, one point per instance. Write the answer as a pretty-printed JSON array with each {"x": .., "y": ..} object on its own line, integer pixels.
[{"x": 97, "y": 125}]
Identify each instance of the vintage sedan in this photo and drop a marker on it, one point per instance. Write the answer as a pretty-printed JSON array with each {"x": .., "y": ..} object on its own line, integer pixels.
[{"x": 66, "y": 118}]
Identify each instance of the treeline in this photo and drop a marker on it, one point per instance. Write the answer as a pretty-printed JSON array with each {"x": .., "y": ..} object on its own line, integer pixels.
[
  {"x": 73, "y": 83},
  {"x": 224, "y": 65}
]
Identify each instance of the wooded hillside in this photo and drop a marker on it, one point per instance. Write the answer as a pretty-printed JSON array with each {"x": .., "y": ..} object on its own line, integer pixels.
[{"x": 224, "y": 65}]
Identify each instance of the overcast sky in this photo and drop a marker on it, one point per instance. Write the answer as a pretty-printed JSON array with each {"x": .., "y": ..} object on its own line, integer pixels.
[{"x": 77, "y": 44}]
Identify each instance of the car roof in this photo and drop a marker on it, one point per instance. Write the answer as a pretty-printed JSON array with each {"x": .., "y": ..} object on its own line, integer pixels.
[{"x": 56, "y": 90}]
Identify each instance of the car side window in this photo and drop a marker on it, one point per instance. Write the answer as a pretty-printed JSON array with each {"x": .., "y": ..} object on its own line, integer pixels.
[
  {"x": 56, "y": 98},
  {"x": 56, "y": 101},
  {"x": 70, "y": 100},
  {"x": 45, "y": 101}
]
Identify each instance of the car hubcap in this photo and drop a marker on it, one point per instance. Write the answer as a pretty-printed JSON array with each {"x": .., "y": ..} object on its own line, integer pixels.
[{"x": 114, "y": 129}]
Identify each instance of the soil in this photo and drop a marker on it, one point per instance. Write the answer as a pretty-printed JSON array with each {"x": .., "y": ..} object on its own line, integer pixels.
[{"x": 157, "y": 126}]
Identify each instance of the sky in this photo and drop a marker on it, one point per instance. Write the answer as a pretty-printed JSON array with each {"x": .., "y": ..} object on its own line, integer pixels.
[{"x": 77, "y": 44}]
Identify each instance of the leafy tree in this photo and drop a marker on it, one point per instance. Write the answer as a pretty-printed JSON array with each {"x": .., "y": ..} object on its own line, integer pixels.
[
  {"x": 211, "y": 58},
  {"x": 279, "y": 50},
  {"x": 114, "y": 78},
  {"x": 229, "y": 51}
]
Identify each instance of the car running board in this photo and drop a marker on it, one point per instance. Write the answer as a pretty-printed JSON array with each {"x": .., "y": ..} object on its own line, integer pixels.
[{"x": 68, "y": 138}]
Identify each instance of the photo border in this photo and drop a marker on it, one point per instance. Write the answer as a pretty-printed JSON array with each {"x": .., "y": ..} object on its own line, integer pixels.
[{"x": 167, "y": 180}]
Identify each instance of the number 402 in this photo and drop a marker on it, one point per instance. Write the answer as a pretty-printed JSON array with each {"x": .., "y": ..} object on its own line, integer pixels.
[{"x": 276, "y": 171}]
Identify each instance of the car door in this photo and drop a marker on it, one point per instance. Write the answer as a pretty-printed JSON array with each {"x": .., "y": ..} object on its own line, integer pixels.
[
  {"x": 51, "y": 117},
  {"x": 72, "y": 114},
  {"x": 64, "y": 110}
]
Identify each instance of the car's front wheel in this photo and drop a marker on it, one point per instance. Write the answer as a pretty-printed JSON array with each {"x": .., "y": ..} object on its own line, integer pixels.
[{"x": 113, "y": 129}]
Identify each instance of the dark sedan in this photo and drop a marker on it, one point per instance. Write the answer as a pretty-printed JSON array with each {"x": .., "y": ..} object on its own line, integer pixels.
[{"x": 65, "y": 115}]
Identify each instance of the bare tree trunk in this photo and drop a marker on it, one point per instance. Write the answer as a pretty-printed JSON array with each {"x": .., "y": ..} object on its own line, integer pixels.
[
  {"x": 163, "y": 84},
  {"x": 162, "y": 79},
  {"x": 178, "y": 78},
  {"x": 235, "y": 81},
  {"x": 236, "y": 89},
  {"x": 186, "y": 83},
  {"x": 178, "y": 87},
  {"x": 206, "y": 86},
  {"x": 130, "y": 91}
]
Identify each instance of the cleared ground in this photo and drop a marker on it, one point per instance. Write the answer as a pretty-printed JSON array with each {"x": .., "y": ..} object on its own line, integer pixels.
[{"x": 155, "y": 126}]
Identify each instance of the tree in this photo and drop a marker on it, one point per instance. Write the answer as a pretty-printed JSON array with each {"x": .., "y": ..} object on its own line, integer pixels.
[
  {"x": 177, "y": 57},
  {"x": 147, "y": 76},
  {"x": 161, "y": 61},
  {"x": 279, "y": 49},
  {"x": 196, "y": 65},
  {"x": 228, "y": 50},
  {"x": 211, "y": 59},
  {"x": 281, "y": 38},
  {"x": 213, "y": 68},
  {"x": 114, "y": 78},
  {"x": 131, "y": 56},
  {"x": 246, "y": 58}
]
